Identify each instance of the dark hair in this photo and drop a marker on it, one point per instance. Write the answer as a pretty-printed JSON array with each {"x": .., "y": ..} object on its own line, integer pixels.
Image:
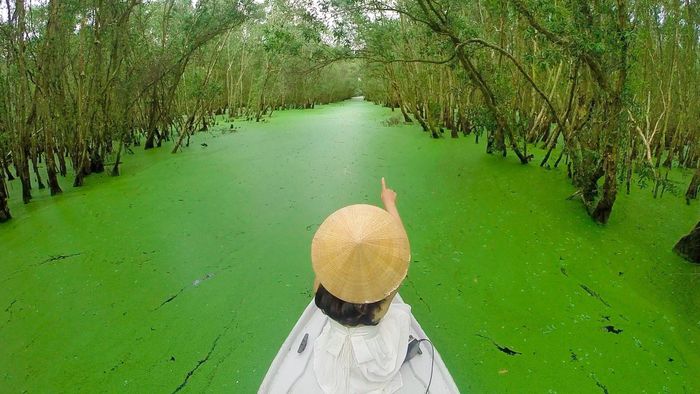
[{"x": 346, "y": 313}]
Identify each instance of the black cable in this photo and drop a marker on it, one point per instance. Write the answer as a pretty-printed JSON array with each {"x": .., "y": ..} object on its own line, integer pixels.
[{"x": 432, "y": 363}]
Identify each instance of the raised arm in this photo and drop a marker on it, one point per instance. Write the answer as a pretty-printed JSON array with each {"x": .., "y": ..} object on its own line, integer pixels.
[{"x": 389, "y": 200}]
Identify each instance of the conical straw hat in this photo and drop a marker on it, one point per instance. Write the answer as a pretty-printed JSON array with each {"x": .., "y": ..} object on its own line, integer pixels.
[{"x": 360, "y": 254}]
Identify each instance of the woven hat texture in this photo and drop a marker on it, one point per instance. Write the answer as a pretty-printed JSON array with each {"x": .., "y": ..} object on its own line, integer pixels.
[{"x": 360, "y": 254}]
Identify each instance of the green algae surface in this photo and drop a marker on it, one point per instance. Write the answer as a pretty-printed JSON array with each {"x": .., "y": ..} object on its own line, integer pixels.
[{"x": 187, "y": 272}]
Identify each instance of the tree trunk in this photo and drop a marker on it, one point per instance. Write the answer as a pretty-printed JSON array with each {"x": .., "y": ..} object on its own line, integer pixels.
[
  {"x": 62, "y": 169},
  {"x": 551, "y": 144},
  {"x": 692, "y": 192},
  {"x": 97, "y": 163},
  {"x": 503, "y": 129},
  {"x": 153, "y": 118},
  {"x": 420, "y": 119},
  {"x": 23, "y": 168},
  {"x": 689, "y": 246},
  {"x": 117, "y": 161},
  {"x": 6, "y": 168},
  {"x": 49, "y": 82},
  {"x": 21, "y": 148},
  {"x": 36, "y": 172},
  {"x": 602, "y": 211},
  {"x": 51, "y": 167},
  {"x": 406, "y": 118},
  {"x": 585, "y": 176},
  {"x": 150, "y": 140},
  {"x": 82, "y": 166},
  {"x": 4, "y": 209},
  {"x": 185, "y": 131}
]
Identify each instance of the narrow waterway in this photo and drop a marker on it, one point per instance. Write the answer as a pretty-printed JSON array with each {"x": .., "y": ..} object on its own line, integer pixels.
[{"x": 187, "y": 272}]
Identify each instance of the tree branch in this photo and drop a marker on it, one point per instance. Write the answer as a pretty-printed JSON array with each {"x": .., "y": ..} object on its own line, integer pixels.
[
  {"x": 591, "y": 61},
  {"x": 539, "y": 91}
]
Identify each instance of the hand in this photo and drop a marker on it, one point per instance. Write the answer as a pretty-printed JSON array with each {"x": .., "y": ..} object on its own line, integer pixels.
[{"x": 388, "y": 196}]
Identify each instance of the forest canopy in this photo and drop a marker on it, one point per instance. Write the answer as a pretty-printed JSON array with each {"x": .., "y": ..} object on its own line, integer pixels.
[{"x": 604, "y": 89}]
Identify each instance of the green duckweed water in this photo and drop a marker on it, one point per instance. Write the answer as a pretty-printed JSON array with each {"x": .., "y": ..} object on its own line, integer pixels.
[{"x": 188, "y": 271}]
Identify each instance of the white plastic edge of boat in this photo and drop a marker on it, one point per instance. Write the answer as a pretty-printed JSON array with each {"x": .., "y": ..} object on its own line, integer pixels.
[{"x": 288, "y": 365}]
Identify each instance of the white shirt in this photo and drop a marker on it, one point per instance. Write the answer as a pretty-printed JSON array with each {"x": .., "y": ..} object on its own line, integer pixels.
[{"x": 363, "y": 359}]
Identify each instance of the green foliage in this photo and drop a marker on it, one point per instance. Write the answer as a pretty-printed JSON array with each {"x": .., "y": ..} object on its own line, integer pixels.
[
  {"x": 481, "y": 118},
  {"x": 102, "y": 72}
]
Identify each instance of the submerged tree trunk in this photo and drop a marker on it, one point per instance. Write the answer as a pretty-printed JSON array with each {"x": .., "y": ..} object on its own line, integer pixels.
[
  {"x": 689, "y": 246},
  {"x": 153, "y": 117},
  {"x": 35, "y": 166},
  {"x": 62, "y": 169},
  {"x": 420, "y": 119},
  {"x": 117, "y": 161},
  {"x": 603, "y": 209},
  {"x": 51, "y": 168},
  {"x": 6, "y": 168},
  {"x": 23, "y": 170},
  {"x": 503, "y": 128},
  {"x": 81, "y": 164},
  {"x": 692, "y": 192},
  {"x": 4, "y": 209},
  {"x": 406, "y": 118}
]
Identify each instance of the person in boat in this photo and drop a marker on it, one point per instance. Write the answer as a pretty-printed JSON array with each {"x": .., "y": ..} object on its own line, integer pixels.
[{"x": 360, "y": 255}]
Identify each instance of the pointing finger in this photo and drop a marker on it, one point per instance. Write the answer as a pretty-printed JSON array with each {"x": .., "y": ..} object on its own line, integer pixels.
[{"x": 383, "y": 183}]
